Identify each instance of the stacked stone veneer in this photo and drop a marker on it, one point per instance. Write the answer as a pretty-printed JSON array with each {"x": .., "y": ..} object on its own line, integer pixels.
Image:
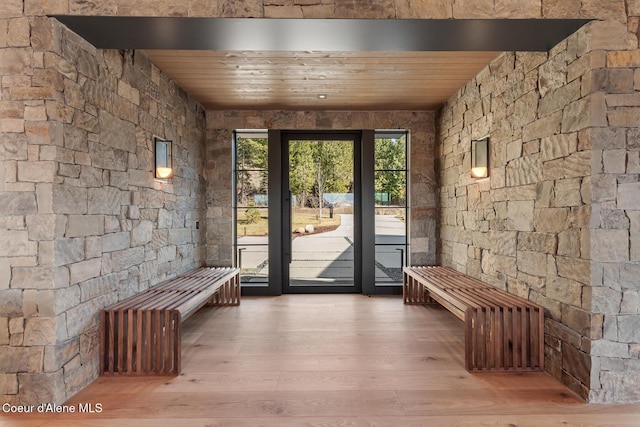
[
  {"x": 558, "y": 220},
  {"x": 83, "y": 223},
  {"x": 422, "y": 202},
  {"x": 46, "y": 101}
]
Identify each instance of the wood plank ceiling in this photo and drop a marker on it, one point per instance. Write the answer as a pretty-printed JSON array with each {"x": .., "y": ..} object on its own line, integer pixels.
[
  {"x": 295, "y": 80},
  {"x": 358, "y": 64}
]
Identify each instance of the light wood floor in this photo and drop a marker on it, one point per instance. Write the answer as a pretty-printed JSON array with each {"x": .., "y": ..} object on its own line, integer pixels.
[{"x": 330, "y": 360}]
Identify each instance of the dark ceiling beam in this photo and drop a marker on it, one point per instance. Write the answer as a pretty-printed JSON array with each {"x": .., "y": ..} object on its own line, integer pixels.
[{"x": 333, "y": 35}]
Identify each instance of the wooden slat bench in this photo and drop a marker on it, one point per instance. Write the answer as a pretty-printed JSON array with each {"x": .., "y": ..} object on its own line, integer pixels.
[
  {"x": 503, "y": 332},
  {"x": 140, "y": 335}
]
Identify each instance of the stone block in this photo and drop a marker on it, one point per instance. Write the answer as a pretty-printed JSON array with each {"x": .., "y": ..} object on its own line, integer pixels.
[
  {"x": 603, "y": 300},
  {"x": 564, "y": 290},
  {"x": 16, "y": 61},
  {"x": 542, "y": 128},
  {"x": 576, "y": 319},
  {"x": 558, "y": 146},
  {"x": 84, "y": 270},
  {"x": 577, "y": 363},
  {"x": 5, "y": 273},
  {"x": 142, "y": 233},
  {"x": 630, "y": 302},
  {"x": 105, "y": 200},
  {"x": 629, "y": 196},
  {"x": 65, "y": 298},
  {"x": 12, "y": 303},
  {"x": 558, "y": 98},
  {"x": 116, "y": 241},
  {"x": 166, "y": 254},
  {"x": 8, "y": 384},
  {"x": 532, "y": 263},
  {"x": 610, "y": 245},
  {"x": 40, "y": 331},
  {"x": 575, "y": 269},
  {"x": 84, "y": 225},
  {"x": 43, "y": 387},
  {"x": 69, "y": 251},
  {"x": 20, "y": 359},
  {"x": 629, "y": 329},
  {"x": 624, "y": 116},
  {"x": 604, "y": 35},
  {"x": 520, "y": 215},
  {"x": 18, "y": 203},
  {"x": 123, "y": 260},
  {"x": 604, "y": 188},
  {"x": 104, "y": 157},
  {"x": 613, "y": 218},
  {"x": 612, "y": 80},
  {"x": 537, "y": 242},
  {"x": 44, "y": 197},
  {"x": 148, "y": 269},
  {"x": 428, "y": 9},
  {"x": 180, "y": 236},
  {"x": 117, "y": 133},
  {"x": 41, "y": 227},
  {"x": 98, "y": 286},
  {"x": 85, "y": 316},
  {"x": 140, "y": 178},
  {"x": 606, "y": 348},
  {"x": 4, "y": 330},
  {"x": 524, "y": 170},
  {"x": 57, "y": 355},
  {"x": 12, "y": 125},
  {"x": 32, "y": 278},
  {"x": 550, "y": 220},
  {"x": 503, "y": 242},
  {"x": 69, "y": 200},
  {"x": 11, "y": 9},
  {"x": 614, "y": 161},
  {"x": 17, "y": 244},
  {"x": 460, "y": 253},
  {"x": 584, "y": 113},
  {"x": 567, "y": 193},
  {"x": 569, "y": 243}
]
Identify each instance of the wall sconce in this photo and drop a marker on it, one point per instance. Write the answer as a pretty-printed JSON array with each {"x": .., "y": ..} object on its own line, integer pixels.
[
  {"x": 163, "y": 159},
  {"x": 480, "y": 158}
]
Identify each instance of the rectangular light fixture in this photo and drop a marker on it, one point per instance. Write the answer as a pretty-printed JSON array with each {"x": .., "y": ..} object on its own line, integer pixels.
[
  {"x": 163, "y": 168},
  {"x": 480, "y": 158}
]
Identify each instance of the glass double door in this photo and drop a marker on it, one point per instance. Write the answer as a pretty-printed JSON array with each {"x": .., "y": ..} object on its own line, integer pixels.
[{"x": 321, "y": 212}]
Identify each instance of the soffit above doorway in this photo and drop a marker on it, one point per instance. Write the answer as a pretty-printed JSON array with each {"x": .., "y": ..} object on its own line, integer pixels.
[{"x": 358, "y": 64}]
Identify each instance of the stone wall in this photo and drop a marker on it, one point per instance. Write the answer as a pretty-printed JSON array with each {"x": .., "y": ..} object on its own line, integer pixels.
[
  {"x": 557, "y": 221},
  {"x": 378, "y": 9},
  {"x": 220, "y": 125},
  {"x": 82, "y": 220}
]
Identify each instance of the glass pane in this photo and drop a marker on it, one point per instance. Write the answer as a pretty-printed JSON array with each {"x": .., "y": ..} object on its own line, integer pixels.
[
  {"x": 391, "y": 153},
  {"x": 321, "y": 183},
  {"x": 253, "y": 261},
  {"x": 391, "y": 211},
  {"x": 391, "y": 242},
  {"x": 251, "y": 188},
  {"x": 252, "y": 210},
  {"x": 390, "y": 188},
  {"x": 251, "y": 153}
]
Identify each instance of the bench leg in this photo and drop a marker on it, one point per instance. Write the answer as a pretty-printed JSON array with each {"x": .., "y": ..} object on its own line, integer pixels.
[
  {"x": 228, "y": 293},
  {"x": 140, "y": 342}
]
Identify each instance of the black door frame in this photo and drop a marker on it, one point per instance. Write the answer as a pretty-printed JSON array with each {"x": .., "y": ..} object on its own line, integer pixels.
[{"x": 279, "y": 213}]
